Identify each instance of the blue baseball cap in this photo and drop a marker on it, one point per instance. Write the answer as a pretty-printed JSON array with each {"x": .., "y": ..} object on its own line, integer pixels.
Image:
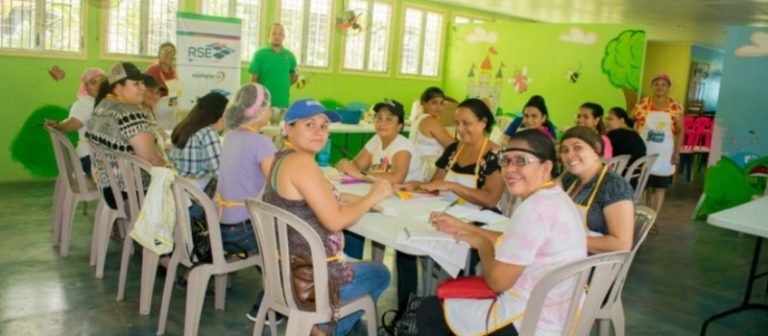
[{"x": 306, "y": 108}]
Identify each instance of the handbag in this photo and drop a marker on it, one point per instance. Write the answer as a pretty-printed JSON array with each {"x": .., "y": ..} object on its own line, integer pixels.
[
  {"x": 473, "y": 287},
  {"x": 406, "y": 323},
  {"x": 303, "y": 284}
]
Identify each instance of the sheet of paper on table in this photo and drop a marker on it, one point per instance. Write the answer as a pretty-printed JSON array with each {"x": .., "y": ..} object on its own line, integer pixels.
[
  {"x": 448, "y": 253},
  {"x": 470, "y": 214}
]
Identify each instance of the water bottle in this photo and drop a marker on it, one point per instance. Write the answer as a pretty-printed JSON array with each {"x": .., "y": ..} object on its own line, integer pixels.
[{"x": 324, "y": 155}]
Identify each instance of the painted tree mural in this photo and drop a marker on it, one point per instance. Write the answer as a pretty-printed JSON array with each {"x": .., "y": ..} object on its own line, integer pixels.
[{"x": 623, "y": 63}]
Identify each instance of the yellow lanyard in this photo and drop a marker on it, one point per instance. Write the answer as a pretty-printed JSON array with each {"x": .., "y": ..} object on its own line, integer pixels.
[
  {"x": 592, "y": 195},
  {"x": 477, "y": 162}
]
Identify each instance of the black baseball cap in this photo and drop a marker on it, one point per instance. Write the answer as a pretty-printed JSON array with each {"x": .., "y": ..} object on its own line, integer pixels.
[
  {"x": 393, "y": 106},
  {"x": 125, "y": 70}
]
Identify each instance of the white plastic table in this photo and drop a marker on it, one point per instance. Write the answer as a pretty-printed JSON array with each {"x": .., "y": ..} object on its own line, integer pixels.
[{"x": 750, "y": 218}]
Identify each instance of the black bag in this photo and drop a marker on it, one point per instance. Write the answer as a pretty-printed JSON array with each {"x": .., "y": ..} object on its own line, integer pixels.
[
  {"x": 405, "y": 325},
  {"x": 201, "y": 243}
]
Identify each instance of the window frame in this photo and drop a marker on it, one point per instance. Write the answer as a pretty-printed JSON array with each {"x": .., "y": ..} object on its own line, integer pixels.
[
  {"x": 134, "y": 58},
  {"x": 469, "y": 16},
  {"x": 440, "y": 54},
  {"x": 262, "y": 25},
  {"x": 39, "y": 52},
  {"x": 390, "y": 48},
  {"x": 305, "y": 28}
]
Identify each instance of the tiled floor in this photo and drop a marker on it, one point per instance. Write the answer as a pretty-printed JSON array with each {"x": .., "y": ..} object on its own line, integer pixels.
[{"x": 690, "y": 270}]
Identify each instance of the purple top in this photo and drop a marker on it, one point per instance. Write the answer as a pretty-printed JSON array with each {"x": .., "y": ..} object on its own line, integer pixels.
[{"x": 240, "y": 175}]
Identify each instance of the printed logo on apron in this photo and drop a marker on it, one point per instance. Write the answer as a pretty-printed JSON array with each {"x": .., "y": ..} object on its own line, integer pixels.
[{"x": 659, "y": 139}]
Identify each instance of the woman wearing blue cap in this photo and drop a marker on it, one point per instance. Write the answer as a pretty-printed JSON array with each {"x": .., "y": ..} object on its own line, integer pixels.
[{"x": 297, "y": 185}]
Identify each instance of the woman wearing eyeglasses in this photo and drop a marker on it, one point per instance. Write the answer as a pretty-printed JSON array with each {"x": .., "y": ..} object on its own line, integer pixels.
[
  {"x": 544, "y": 231},
  {"x": 604, "y": 198}
]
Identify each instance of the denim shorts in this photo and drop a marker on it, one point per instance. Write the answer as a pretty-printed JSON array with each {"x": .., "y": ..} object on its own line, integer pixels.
[{"x": 238, "y": 237}]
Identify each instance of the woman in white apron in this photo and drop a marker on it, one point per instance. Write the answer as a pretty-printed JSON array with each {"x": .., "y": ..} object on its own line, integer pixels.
[
  {"x": 468, "y": 170},
  {"x": 604, "y": 198},
  {"x": 544, "y": 232},
  {"x": 427, "y": 132},
  {"x": 388, "y": 155},
  {"x": 659, "y": 121}
]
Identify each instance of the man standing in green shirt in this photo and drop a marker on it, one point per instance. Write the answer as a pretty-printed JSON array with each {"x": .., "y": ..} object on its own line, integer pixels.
[{"x": 275, "y": 67}]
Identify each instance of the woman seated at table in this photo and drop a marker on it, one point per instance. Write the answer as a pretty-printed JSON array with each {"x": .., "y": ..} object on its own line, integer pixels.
[
  {"x": 388, "y": 155},
  {"x": 624, "y": 138},
  {"x": 591, "y": 115},
  {"x": 535, "y": 116},
  {"x": 297, "y": 185},
  {"x": 81, "y": 111},
  {"x": 544, "y": 232},
  {"x": 196, "y": 144},
  {"x": 428, "y": 133},
  {"x": 604, "y": 198},
  {"x": 120, "y": 124},
  {"x": 246, "y": 156},
  {"x": 468, "y": 170}
]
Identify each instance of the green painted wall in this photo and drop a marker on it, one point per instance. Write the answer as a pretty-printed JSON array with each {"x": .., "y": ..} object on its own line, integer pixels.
[
  {"x": 26, "y": 84},
  {"x": 673, "y": 59},
  {"x": 540, "y": 57}
]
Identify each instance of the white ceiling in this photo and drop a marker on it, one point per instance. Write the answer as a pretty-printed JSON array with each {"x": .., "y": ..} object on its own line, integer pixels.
[{"x": 688, "y": 21}]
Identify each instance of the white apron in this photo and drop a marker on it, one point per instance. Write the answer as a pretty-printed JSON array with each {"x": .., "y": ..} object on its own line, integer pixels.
[
  {"x": 659, "y": 139},
  {"x": 467, "y": 180},
  {"x": 584, "y": 209}
]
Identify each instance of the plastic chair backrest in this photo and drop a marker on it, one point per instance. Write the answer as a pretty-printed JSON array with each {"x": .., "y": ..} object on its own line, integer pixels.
[
  {"x": 133, "y": 169},
  {"x": 428, "y": 166},
  {"x": 100, "y": 162},
  {"x": 703, "y": 124},
  {"x": 645, "y": 217},
  {"x": 272, "y": 224},
  {"x": 618, "y": 163},
  {"x": 640, "y": 169},
  {"x": 593, "y": 278},
  {"x": 688, "y": 122},
  {"x": 68, "y": 162},
  {"x": 503, "y": 122},
  {"x": 185, "y": 191}
]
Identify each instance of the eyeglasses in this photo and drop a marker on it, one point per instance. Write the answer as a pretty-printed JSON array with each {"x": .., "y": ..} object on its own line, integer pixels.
[{"x": 517, "y": 161}]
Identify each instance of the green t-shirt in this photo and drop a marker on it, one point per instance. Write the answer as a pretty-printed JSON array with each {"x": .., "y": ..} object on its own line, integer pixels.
[{"x": 274, "y": 70}]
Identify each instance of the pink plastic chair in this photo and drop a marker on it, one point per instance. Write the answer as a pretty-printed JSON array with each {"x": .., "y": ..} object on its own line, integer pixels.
[
  {"x": 689, "y": 133},
  {"x": 703, "y": 129}
]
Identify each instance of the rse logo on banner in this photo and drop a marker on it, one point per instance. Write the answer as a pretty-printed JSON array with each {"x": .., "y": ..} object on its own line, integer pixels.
[{"x": 214, "y": 50}]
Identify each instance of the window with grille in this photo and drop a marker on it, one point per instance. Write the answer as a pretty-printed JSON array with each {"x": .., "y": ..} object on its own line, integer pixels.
[
  {"x": 307, "y": 26},
  {"x": 249, "y": 11},
  {"x": 422, "y": 40},
  {"x": 41, "y": 25},
  {"x": 139, "y": 27},
  {"x": 367, "y": 47},
  {"x": 459, "y": 19}
]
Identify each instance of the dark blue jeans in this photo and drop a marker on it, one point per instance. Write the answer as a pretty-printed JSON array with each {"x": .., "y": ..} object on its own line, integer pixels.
[{"x": 238, "y": 237}]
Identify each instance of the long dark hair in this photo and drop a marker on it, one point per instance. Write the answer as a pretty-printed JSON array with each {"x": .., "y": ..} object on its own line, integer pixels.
[
  {"x": 622, "y": 114},
  {"x": 481, "y": 111},
  {"x": 206, "y": 112},
  {"x": 597, "y": 112},
  {"x": 430, "y": 93},
  {"x": 105, "y": 88}
]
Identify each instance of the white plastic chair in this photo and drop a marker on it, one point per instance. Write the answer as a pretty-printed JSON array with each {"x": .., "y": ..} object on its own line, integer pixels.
[
  {"x": 428, "y": 166},
  {"x": 133, "y": 168},
  {"x": 503, "y": 122},
  {"x": 640, "y": 169},
  {"x": 105, "y": 216},
  {"x": 613, "y": 309},
  {"x": 72, "y": 187},
  {"x": 197, "y": 280},
  {"x": 618, "y": 163},
  {"x": 593, "y": 278},
  {"x": 272, "y": 225}
]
